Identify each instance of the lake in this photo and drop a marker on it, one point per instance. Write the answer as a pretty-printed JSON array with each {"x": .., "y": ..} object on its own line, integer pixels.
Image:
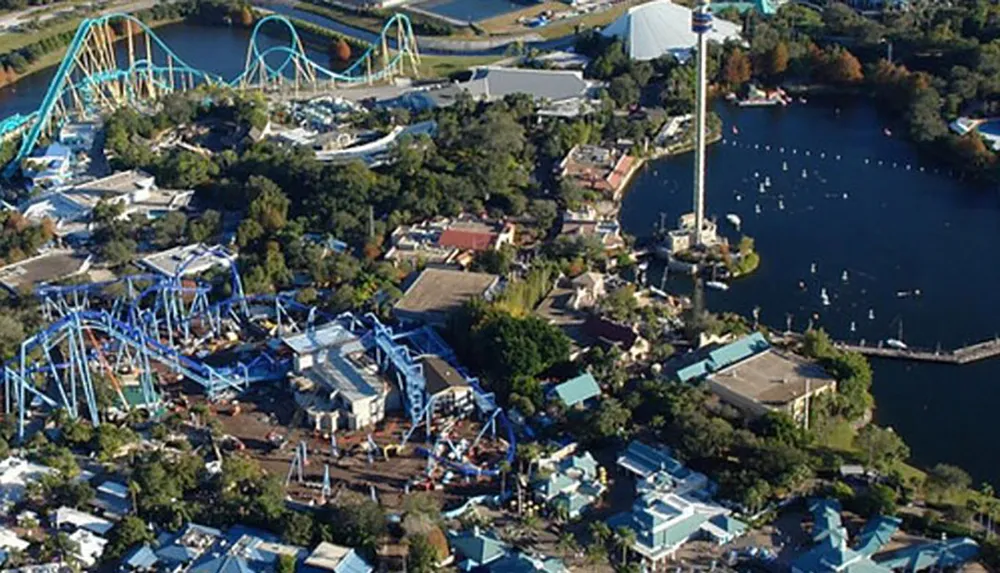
[{"x": 846, "y": 197}]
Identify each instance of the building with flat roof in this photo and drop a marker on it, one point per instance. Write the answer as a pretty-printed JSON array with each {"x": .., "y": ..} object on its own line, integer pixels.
[
  {"x": 188, "y": 260},
  {"x": 68, "y": 517},
  {"x": 448, "y": 241},
  {"x": 771, "y": 381},
  {"x": 52, "y": 266},
  {"x": 655, "y": 469},
  {"x": 49, "y": 168},
  {"x": 336, "y": 559},
  {"x": 602, "y": 169},
  {"x": 70, "y": 219},
  {"x": 342, "y": 391},
  {"x": 15, "y": 475},
  {"x": 663, "y": 522},
  {"x": 436, "y": 293},
  {"x": 575, "y": 483},
  {"x": 447, "y": 387}
]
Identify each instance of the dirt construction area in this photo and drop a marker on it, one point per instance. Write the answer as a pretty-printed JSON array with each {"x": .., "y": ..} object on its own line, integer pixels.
[{"x": 267, "y": 426}]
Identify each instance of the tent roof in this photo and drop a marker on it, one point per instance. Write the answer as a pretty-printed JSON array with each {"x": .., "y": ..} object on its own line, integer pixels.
[{"x": 661, "y": 27}]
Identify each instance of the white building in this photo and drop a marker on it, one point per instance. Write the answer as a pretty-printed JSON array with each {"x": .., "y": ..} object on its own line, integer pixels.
[
  {"x": 662, "y": 28},
  {"x": 90, "y": 547},
  {"x": 15, "y": 475}
]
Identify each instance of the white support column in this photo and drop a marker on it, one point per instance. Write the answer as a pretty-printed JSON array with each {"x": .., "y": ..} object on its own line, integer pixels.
[{"x": 701, "y": 22}]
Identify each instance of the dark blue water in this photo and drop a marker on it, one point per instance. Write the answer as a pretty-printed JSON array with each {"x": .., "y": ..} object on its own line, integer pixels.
[{"x": 898, "y": 229}]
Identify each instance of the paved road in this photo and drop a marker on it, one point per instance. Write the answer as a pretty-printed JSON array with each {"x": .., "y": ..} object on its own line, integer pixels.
[{"x": 13, "y": 19}]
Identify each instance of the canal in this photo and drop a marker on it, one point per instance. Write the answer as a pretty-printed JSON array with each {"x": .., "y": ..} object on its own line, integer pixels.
[{"x": 916, "y": 246}]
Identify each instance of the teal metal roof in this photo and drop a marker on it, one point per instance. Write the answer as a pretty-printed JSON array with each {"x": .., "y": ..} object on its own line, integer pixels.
[
  {"x": 940, "y": 554},
  {"x": 578, "y": 390},
  {"x": 574, "y": 502},
  {"x": 876, "y": 534},
  {"x": 731, "y": 526},
  {"x": 478, "y": 548},
  {"x": 585, "y": 463},
  {"x": 723, "y": 357},
  {"x": 554, "y": 484}
]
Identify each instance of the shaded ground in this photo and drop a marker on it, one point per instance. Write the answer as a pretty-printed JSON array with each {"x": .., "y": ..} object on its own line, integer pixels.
[{"x": 269, "y": 427}]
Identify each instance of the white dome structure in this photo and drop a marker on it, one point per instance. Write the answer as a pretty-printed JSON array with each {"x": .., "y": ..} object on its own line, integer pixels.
[{"x": 661, "y": 27}]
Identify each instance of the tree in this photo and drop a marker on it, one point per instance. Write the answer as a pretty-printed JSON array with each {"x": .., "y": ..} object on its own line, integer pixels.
[
  {"x": 600, "y": 532},
  {"x": 609, "y": 420},
  {"x": 737, "y": 70},
  {"x": 877, "y": 499},
  {"x": 881, "y": 448},
  {"x": 624, "y": 538},
  {"x": 127, "y": 533},
  {"x": 268, "y": 205},
  {"x": 286, "y": 564},
  {"x": 624, "y": 90},
  {"x": 340, "y": 50},
  {"x": 421, "y": 557},
  {"x": 843, "y": 68},
  {"x": 777, "y": 60},
  {"x": 168, "y": 230},
  {"x": 11, "y": 335},
  {"x": 946, "y": 479}
]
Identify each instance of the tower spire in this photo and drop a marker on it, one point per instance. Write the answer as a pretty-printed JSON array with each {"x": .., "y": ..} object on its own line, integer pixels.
[{"x": 701, "y": 22}]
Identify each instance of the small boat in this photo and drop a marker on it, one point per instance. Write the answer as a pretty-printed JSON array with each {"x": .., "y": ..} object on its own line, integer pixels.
[
  {"x": 805, "y": 174},
  {"x": 871, "y": 314},
  {"x": 824, "y": 298},
  {"x": 845, "y": 195},
  {"x": 739, "y": 198},
  {"x": 643, "y": 265},
  {"x": 802, "y": 285},
  {"x": 767, "y": 181},
  {"x": 843, "y": 276},
  {"x": 717, "y": 285},
  {"x": 761, "y": 188},
  {"x": 756, "y": 175},
  {"x": 784, "y": 166},
  {"x": 736, "y": 131},
  {"x": 854, "y": 327},
  {"x": 756, "y": 209},
  {"x": 802, "y": 100},
  {"x": 897, "y": 344},
  {"x": 734, "y": 219},
  {"x": 887, "y": 132},
  {"x": 781, "y": 205},
  {"x": 812, "y": 268}
]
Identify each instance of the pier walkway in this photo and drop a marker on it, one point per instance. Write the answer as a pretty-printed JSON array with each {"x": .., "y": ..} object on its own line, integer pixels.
[{"x": 966, "y": 354}]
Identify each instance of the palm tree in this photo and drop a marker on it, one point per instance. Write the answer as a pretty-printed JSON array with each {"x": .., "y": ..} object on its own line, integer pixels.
[
  {"x": 600, "y": 532},
  {"x": 134, "y": 490},
  {"x": 988, "y": 505},
  {"x": 972, "y": 504},
  {"x": 504, "y": 470},
  {"x": 567, "y": 543},
  {"x": 624, "y": 538},
  {"x": 561, "y": 513}
]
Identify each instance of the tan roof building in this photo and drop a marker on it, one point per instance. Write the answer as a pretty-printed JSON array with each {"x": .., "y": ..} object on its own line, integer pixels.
[
  {"x": 771, "y": 381},
  {"x": 436, "y": 293}
]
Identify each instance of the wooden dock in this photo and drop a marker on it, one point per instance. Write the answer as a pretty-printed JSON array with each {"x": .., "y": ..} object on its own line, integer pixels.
[{"x": 966, "y": 354}]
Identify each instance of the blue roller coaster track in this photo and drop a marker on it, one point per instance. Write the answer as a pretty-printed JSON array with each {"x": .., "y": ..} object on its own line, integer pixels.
[{"x": 93, "y": 77}]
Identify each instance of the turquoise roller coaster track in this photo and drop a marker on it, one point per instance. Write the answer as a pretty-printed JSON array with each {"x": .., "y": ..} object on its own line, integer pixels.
[{"x": 86, "y": 88}]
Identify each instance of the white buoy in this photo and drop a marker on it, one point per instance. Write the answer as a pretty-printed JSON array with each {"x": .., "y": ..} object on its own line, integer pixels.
[
  {"x": 756, "y": 209},
  {"x": 738, "y": 198},
  {"x": 756, "y": 146},
  {"x": 805, "y": 174},
  {"x": 853, "y": 326},
  {"x": 845, "y": 195},
  {"x": 784, "y": 166},
  {"x": 795, "y": 151},
  {"x": 812, "y": 268},
  {"x": 822, "y": 155},
  {"x": 880, "y": 162},
  {"x": 867, "y": 161},
  {"x": 781, "y": 150},
  {"x": 807, "y": 153},
  {"x": 838, "y": 158},
  {"x": 843, "y": 276},
  {"x": 756, "y": 175},
  {"x": 767, "y": 148},
  {"x": 781, "y": 205},
  {"x": 871, "y": 314}
]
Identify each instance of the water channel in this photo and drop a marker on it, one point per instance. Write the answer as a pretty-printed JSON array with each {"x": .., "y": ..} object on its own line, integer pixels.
[
  {"x": 864, "y": 204},
  {"x": 846, "y": 197}
]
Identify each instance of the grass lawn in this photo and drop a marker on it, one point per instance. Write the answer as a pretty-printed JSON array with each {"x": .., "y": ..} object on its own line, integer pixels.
[
  {"x": 568, "y": 26},
  {"x": 507, "y": 23},
  {"x": 15, "y": 40},
  {"x": 442, "y": 66}
]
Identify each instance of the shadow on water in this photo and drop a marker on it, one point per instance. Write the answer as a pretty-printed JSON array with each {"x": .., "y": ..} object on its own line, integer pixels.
[{"x": 852, "y": 200}]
